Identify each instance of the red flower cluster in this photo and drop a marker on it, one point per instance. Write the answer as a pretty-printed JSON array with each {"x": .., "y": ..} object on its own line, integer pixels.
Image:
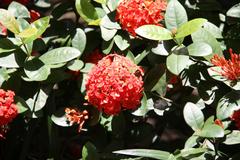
[
  {"x": 134, "y": 13},
  {"x": 75, "y": 116},
  {"x": 236, "y": 118},
  {"x": 8, "y": 110},
  {"x": 230, "y": 69},
  {"x": 115, "y": 83},
  {"x": 7, "y": 2}
]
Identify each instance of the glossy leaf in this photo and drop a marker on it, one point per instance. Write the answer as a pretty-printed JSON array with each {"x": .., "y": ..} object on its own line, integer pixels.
[
  {"x": 175, "y": 15},
  {"x": 21, "y": 104},
  {"x": 79, "y": 40},
  {"x": 18, "y": 10},
  {"x": 234, "y": 11},
  {"x": 38, "y": 101},
  {"x": 149, "y": 153},
  {"x": 211, "y": 131},
  {"x": 122, "y": 42},
  {"x": 193, "y": 116},
  {"x": 143, "y": 109},
  {"x": 89, "y": 152},
  {"x": 154, "y": 32},
  {"x": 161, "y": 86},
  {"x": 86, "y": 10},
  {"x": 107, "y": 34},
  {"x": 60, "y": 119},
  {"x": 9, "y": 61},
  {"x": 9, "y": 21},
  {"x": 190, "y": 27},
  {"x": 199, "y": 49},
  {"x": 228, "y": 104},
  {"x": 233, "y": 138},
  {"x": 213, "y": 29},
  {"x": 177, "y": 63},
  {"x": 27, "y": 32},
  {"x": 36, "y": 70},
  {"x": 60, "y": 55},
  {"x": 6, "y": 45},
  {"x": 75, "y": 65}
]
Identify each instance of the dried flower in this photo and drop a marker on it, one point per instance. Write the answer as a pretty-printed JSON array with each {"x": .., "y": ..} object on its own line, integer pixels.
[
  {"x": 134, "y": 13},
  {"x": 115, "y": 83},
  {"x": 230, "y": 69},
  {"x": 236, "y": 118},
  {"x": 76, "y": 116}
]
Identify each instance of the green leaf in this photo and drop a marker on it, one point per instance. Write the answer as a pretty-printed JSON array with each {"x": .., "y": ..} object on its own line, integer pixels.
[
  {"x": 3, "y": 75},
  {"x": 193, "y": 116},
  {"x": 108, "y": 22},
  {"x": 9, "y": 21},
  {"x": 38, "y": 101},
  {"x": 6, "y": 45},
  {"x": 213, "y": 29},
  {"x": 202, "y": 35},
  {"x": 234, "y": 11},
  {"x": 107, "y": 46},
  {"x": 87, "y": 68},
  {"x": 154, "y": 32},
  {"x": 233, "y": 138},
  {"x": 112, "y": 4},
  {"x": 107, "y": 34},
  {"x": 228, "y": 104},
  {"x": 18, "y": 10},
  {"x": 9, "y": 61},
  {"x": 190, "y": 151},
  {"x": 199, "y": 49},
  {"x": 60, "y": 55},
  {"x": 36, "y": 70},
  {"x": 122, "y": 42},
  {"x": 42, "y": 4},
  {"x": 21, "y": 104},
  {"x": 175, "y": 15},
  {"x": 89, "y": 152},
  {"x": 161, "y": 86},
  {"x": 191, "y": 142},
  {"x": 75, "y": 65},
  {"x": 86, "y": 10},
  {"x": 190, "y": 27},
  {"x": 60, "y": 119},
  {"x": 27, "y": 32},
  {"x": 130, "y": 56},
  {"x": 211, "y": 131},
  {"x": 41, "y": 25},
  {"x": 143, "y": 109},
  {"x": 79, "y": 40},
  {"x": 149, "y": 153},
  {"x": 177, "y": 63}
]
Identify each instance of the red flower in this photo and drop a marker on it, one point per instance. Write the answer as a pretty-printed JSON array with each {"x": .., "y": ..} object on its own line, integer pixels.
[
  {"x": 134, "y": 13},
  {"x": 230, "y": 69},
  {"x": 94, "y": 56},
  {"x": 8, "y": 110},
  {"x": 34, "y": 15},
  {"x": 7, "y": 2},
  {"x": 3, "y": 30},
  {"x": 115, "y": 83},
  {"x": 219, "y": 122},
  {"x": 236, "y": 118},
  {"x": 75, "y": 116}
]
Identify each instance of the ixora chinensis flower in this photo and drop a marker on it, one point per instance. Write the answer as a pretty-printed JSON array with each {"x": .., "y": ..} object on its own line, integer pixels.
[
  {"x": 236, "y": 118},
  {"x": 115, "y": 84},
  {"x": 134, "y": 13},
  {"x": 230, "y": 69},
  {"x": 75, "y": 116},
  {"x": 8, "y": 110}
]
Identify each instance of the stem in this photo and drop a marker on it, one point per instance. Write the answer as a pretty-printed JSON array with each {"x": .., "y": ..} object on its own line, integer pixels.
[{"x": 25, "y": 47}]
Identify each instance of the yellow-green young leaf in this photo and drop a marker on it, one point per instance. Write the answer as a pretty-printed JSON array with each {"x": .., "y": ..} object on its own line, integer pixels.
[
  {"x": 154, "y": 32},
  {"x": 9, "y": 21},
  {"x": 27, "y": 32},
  {"x": 87, "y": 11},
  {"x": 190, "y": 27},
  {"x": 40, "y": 25}
]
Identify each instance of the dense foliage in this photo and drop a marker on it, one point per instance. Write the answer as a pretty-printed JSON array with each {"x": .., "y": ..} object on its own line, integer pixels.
[{"x": 119, "y": 79}]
